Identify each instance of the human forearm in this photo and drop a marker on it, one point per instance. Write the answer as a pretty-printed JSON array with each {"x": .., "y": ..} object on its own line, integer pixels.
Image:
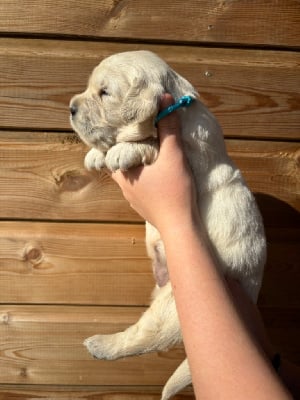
[{"x": 219, "y": 348}]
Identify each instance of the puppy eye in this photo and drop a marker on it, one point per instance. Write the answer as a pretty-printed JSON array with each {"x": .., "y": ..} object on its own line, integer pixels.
[{"x": 103, "y": 92}]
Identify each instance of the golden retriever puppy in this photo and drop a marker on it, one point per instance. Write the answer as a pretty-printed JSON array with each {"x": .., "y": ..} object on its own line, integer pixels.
[{"x": 115, "y": 116}]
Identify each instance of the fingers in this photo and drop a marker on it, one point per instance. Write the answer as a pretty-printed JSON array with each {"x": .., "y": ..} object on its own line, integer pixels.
[
  {"x": 118, "y": 176},
  {"x": 168, "y": 127},
  {"x": 124, "y": 177}
]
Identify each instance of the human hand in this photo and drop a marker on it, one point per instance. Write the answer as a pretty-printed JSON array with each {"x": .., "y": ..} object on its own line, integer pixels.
[{"x": 162, "y": 193}]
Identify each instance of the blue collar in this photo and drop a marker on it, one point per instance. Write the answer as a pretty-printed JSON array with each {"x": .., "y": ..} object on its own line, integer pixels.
[{"x": 184, "y": 101}]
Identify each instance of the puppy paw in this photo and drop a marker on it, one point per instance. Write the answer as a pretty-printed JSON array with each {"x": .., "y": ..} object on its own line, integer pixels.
[
  {"x": 127, "y": 155},
  {"x": 94, "y": 159},
  {"x": 121, "y": 157},
  {"x": 101, "y": 347}
]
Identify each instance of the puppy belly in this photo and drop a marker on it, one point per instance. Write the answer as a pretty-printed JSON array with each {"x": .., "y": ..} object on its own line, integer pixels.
[
  {"x": 156, "y": 252},
  {"x": 159, "y": 264},
  {"x": 160, "y": 272}
]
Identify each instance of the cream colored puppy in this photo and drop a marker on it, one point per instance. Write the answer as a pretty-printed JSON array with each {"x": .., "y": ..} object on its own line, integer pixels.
[{"x": 115, "y": 116}]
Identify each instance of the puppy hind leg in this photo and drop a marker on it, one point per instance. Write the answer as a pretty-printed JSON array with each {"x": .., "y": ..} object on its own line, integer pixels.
[
  {"x": 157, "y": 329},
  {"x": 178, "y": 381}
]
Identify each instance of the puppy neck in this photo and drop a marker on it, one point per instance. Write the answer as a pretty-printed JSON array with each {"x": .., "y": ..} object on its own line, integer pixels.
[{"x": 137, "y": 131}]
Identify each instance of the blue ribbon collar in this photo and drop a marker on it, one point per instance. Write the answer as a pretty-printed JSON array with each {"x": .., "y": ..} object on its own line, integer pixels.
[{"x": 184, "y": 101}]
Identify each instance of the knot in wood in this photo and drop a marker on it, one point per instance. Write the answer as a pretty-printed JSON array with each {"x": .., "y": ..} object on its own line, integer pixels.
[
  {"x": 72, "y": 181},
  {"x": 4, "y": 318},
  {"x": 33, "y": 253},
  {"x": 23, "y": 372}
]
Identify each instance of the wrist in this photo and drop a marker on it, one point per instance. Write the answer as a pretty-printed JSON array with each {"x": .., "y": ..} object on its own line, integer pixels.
[
  {"x": 185, "y": 233},
  {"x": 181, "y": 225}
]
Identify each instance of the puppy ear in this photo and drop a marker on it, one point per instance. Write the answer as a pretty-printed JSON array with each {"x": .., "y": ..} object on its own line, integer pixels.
[
  {"x": 141, "y": 101},
  {"x": 178, "y": 86}
]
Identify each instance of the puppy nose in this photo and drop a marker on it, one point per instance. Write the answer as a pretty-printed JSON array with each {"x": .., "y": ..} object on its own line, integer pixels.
[{"x": 73, "y": 110}]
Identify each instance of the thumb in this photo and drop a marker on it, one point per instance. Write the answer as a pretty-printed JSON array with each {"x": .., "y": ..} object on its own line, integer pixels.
[{"x": 169, "y": 126}]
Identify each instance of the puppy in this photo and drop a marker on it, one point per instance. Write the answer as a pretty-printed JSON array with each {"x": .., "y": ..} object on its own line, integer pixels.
[{"x": 115, "y": 116}]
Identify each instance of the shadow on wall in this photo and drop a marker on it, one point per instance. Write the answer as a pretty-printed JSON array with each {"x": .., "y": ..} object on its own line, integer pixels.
[
  {"x": 281, "y": 281},
  {"x": 277, "y": 213},
  {"x": 279, "y": 299}
]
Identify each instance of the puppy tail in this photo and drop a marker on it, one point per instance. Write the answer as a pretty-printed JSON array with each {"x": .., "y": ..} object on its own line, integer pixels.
[{"x": 178, "y": 381}]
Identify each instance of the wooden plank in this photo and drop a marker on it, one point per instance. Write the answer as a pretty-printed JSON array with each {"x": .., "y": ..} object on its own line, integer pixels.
[
  {"x": 42, "y": 177},
  {"x": 26, "y": 392},
  {"x": 74, "y": 263},
  {"x": 256, "y": 22},
  {"x": 254, "y": 93},
  {"x": 104, "y": 264},
  {"x": 43, "y": 345},
  {"x": 271, "y": 170}
]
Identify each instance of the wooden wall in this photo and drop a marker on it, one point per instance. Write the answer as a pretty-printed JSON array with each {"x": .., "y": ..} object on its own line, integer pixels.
[{"x": 72, "y": 255}]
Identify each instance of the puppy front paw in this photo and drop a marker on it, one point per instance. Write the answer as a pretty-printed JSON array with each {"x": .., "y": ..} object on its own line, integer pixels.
[
  {"x": 127, "y": 155},
  {"x": 94, "y": 159},
  {"x": 121, "y": 157}
]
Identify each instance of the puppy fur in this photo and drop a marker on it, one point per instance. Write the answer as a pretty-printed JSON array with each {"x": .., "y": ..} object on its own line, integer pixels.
[{"x": 115, "y": 117}]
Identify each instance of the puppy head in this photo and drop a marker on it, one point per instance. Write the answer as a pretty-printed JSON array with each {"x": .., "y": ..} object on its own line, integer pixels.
[{"x": 122, "y": 98}]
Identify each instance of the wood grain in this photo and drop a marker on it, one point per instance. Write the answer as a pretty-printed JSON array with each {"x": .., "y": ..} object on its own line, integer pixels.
[
  {"x": 271, "y": 170},
  {"x": 42, "y": 177},
  {"x": 254, "y": 93},
  {"x": 106, "y": 264},
  {"x": 253, "y": 22},
  {"x": 43, "y": 345},
  {"x": 74, "y": 263}
]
